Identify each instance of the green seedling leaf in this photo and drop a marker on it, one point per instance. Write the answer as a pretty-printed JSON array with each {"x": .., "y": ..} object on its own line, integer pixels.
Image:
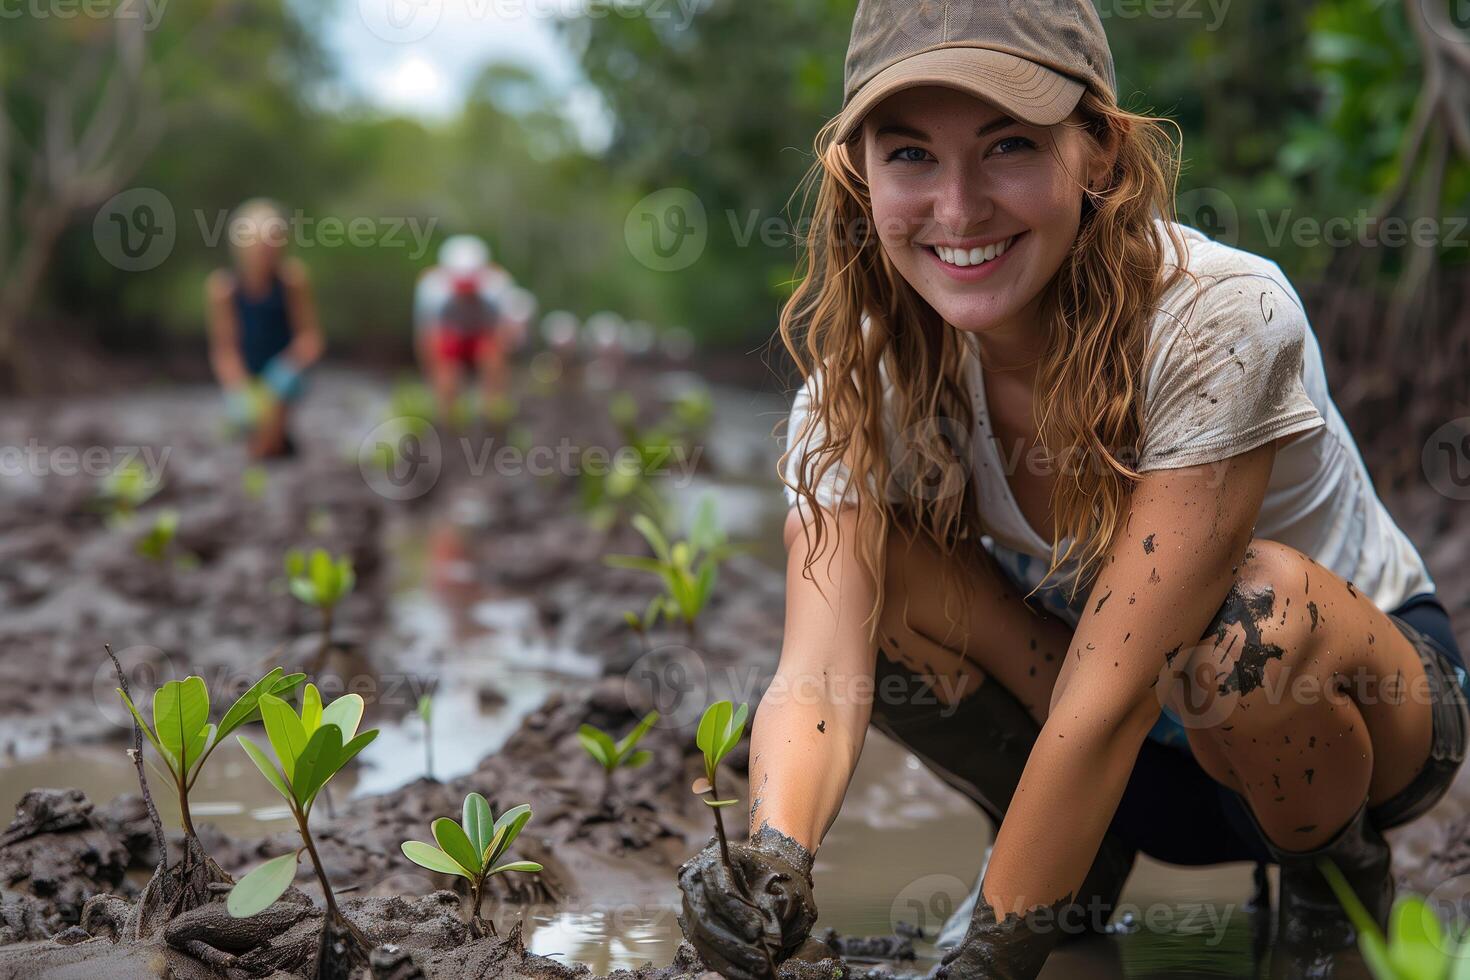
[
  {"x": 317, "y": 763},
  {"x": 736, "y": 729},
  {"x": 653, "y": 535},
  {"x": 478, "y": 822},
  {"x": 720, "y": 803},
  {"x": 181, "y": 715},
  {"x": 350, "y": 750},
  {"x": 507, "y": 828},
  {"x": 1461, "y": 968},
  {"x": 323, "y": 574},
  {"x": 295, "y": 563},
  {"x": 255, "y": 892},
  {"x": 1416, "y": 940},
  {"x": 456, "y": 844},
  {"x": 263, "y": 763},
  {"x": 528, "y": 866},
  {"x": 426, "y": 708},
  {"x": 163, "y": 753},
  {"x": 285, "y": 731},
  {"x": 597, "y": 748},
  {"x": 636, "y": 735},
  {"x": 247, "y": 708},
  {"x": 311, "y": 709},
  {"x": 345, "y": 713},
  {"x": 303, "y": 589},
  {"x": 636, "y": 562},
  {"x": 429, "y": 856},
  {"x": 640, "y": 758},
  {"x": 1362, "y": 921}
]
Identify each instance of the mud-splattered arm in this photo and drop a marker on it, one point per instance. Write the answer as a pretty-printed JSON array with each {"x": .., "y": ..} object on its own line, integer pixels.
[
  {"x": 812, "y": 719},
  {"x": 1167, "y": 571}
]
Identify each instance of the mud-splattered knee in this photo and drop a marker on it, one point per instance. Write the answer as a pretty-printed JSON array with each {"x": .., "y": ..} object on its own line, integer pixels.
[{"x": 1258, "y": 645}]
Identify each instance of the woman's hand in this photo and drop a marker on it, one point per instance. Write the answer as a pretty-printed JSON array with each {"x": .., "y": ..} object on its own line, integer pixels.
[{"x": 744, "y": 940}]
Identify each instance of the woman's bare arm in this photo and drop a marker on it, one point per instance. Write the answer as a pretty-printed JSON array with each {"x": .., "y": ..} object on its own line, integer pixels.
[
  {"x": 809, "y": 727},
  {"x": 307, "y": 342},
  {"x": 224, "y": 348}
]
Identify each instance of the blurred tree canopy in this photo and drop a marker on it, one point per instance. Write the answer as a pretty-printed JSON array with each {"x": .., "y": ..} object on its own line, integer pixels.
[{"x": 1289, "y": 111}]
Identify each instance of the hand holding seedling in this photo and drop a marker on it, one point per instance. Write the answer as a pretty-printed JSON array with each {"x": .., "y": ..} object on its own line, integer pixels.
[
  {"x": 472, "y": 849},
  {"x": 747, "y": 906},
  {"x": 613, "y": 755}
]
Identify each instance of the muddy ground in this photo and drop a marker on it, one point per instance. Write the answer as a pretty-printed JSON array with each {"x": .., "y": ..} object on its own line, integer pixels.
[{"x": 71, "y": 580}]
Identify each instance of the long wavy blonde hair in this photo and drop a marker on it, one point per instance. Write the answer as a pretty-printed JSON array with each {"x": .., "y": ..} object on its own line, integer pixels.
[{"x": 855, "y": 322}]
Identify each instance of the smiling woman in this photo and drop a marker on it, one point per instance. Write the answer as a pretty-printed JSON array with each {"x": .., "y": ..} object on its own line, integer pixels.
[{"x": 1019, "y": 370}]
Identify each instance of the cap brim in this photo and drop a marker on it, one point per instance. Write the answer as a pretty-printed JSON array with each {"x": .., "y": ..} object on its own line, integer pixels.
[{"x": 1025, "y": 90}]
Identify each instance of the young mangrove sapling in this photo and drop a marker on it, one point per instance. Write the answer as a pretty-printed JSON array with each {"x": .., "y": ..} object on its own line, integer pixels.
[
  {"x": 472, "y": 849},
  {"x": 322, "y": 581},
  {"x": 614, "y": 755},
  {"x": 309, "y": 750},
  {"x": 426, "y": 715},
  {"x": 688, "y": 568},
  {"x": 183, "y": 738}
]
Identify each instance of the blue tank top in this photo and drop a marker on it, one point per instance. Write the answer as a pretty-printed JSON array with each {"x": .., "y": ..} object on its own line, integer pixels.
[{"x": 265, "y": 324}]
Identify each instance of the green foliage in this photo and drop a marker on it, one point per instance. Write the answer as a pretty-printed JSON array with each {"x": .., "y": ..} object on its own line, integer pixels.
[
  {"x": 307, "y": 750},
  {"x": 253, "y": 481},
  {"x": 720, "y": 730},
  {"x": 319, "y": 579},
  {"x": 1417, "y": 946},
  {"x": 472, "y": 849},
  {"x": 612, "y": 755},
  {"x": 181, "y": 733},
  {"x": 155, "y": 542},
  {"x": 127, "y": 488},
  {"x": 687, "y": 568}
]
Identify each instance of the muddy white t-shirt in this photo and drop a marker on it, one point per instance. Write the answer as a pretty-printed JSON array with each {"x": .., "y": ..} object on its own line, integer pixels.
[{"x": 1232, "y": 364}]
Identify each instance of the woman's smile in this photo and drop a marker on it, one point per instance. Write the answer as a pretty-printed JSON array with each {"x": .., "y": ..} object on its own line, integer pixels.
[{"x": 971, "y": 261}]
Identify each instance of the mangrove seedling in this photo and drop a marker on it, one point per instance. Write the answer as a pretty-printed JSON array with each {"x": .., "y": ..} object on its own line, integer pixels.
[
  {"x": 687, "y": 568},
  {"x": 322, "y": 581},
  {"x": 426, "y": 715},
  {"x": 309, "y": 750},
  {"x": 155, "y": 542},
  {"x": 615, "y": 755},
  {"x": 1417, "y": 946},
  {"x": 182, "y": 735},
  {"x": 126, "y": 489},
  {"x": 472, "y": 850},
  {"x": 720, "y": 730},
  {"x": 643, "y": 624}
]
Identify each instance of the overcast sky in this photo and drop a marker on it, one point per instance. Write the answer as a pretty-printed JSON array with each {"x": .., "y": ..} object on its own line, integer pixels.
[{"x": 418, "y": 56}]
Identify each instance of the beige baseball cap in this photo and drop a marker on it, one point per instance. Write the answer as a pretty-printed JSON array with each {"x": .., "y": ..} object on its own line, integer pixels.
[{"x": 1032, "y": 58}]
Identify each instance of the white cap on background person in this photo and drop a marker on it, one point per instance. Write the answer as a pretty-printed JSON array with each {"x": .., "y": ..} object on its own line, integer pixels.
[{"x": 462, "y": 254}]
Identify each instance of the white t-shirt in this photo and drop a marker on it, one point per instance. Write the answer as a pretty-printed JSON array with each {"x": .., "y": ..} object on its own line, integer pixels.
[{"x": 1232, "y": 364}]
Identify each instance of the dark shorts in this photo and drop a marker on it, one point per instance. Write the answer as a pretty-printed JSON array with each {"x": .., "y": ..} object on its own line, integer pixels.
[{"x": 1173, "y": 811}]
